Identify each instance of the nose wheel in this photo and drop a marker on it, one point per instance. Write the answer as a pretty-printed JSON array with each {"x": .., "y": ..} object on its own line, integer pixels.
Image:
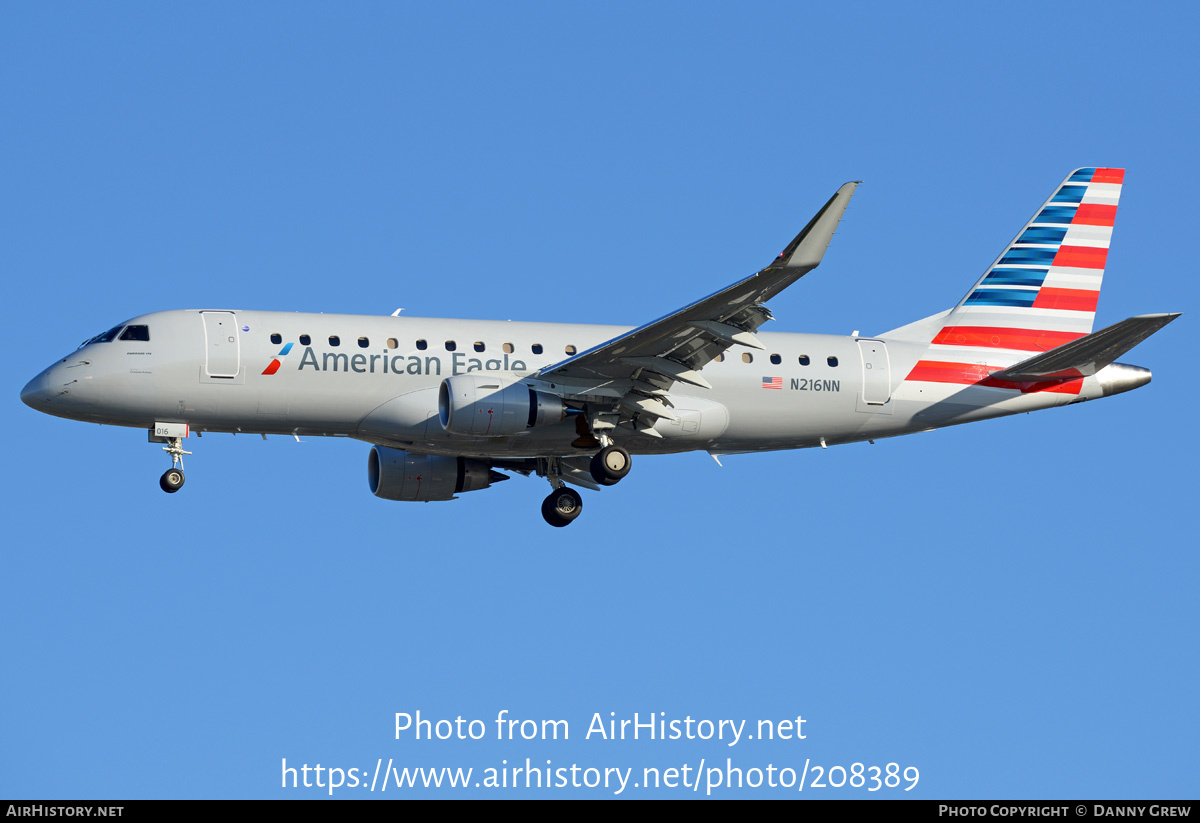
[{"x": 171, "y": 480}]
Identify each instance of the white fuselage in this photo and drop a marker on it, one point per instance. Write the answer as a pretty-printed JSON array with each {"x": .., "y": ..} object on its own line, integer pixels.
[{"x": 377, "y": 379}]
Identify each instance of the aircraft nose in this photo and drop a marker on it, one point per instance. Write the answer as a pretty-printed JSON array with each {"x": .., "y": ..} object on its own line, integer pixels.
[{"x": 37, "y": 392}]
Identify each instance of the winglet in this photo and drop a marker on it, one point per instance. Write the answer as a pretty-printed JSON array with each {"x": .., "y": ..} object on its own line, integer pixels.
[{"x": 807, "y": 249}]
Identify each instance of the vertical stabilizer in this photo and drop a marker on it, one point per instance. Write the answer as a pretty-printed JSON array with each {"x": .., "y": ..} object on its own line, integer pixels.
[
  {"x": 1040, "y": 293},
  {"x": 1048, "y": 278}
]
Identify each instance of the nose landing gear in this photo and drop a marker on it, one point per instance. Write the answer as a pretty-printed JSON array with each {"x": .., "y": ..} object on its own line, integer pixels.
[{"x": 172, "y": 479}]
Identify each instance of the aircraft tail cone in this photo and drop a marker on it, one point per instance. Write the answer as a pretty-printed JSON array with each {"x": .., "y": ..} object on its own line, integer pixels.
[{"x": 1118, "y": 377}]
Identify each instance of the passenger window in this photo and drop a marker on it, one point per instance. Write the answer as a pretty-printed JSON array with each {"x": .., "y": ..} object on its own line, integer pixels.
[
  {"x": 451, "y": 345},
  {"x": 776, "y": 359},
  {"x": 422, "y": 345},
  {"x": 136, "y": 333},
  {"x": 305, "y": 340},
  {"x": 392, "y": 343},
  {"x": 832, "y": 361},
  {"x": 747, "y": 357},
  {"x": 277, "y": 339},
  {"x": 334, "y": 340},
  {"x": 508, "y": 348},
  {"x": 537, "y": 348},
  {"x": 569, "y": 349},
  {"x": 479, "y": 346},
  {"x": 720, "y": 358},
  {"x": 804, "y": 361},
  {"x": 363, "y": 342}
]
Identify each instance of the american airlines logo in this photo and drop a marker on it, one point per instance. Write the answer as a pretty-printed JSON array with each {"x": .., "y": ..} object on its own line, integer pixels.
[{"x": 275, "y": 363}]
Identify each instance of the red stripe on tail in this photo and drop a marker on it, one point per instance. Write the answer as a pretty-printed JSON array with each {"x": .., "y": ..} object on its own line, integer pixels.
[
  {"x": 1081, "y": 257},
  {"x": 1068, "y": 299},
  {"x": 1094, "y": 214},
  {"x": 1002, "y": 338},
  {"x": 976, "y": 374}
]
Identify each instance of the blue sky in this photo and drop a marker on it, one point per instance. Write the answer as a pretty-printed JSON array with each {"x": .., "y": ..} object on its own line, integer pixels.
[{"x": 1007, "y": 606}]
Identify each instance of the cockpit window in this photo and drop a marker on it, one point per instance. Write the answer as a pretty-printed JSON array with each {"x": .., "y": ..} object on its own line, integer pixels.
[
  {"x": 107, "y": 337},
  {"x": 136, "y": 333}
]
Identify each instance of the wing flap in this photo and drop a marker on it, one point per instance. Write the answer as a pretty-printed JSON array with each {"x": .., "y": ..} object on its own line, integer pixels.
[
  {"x": 668, "y": 368},
  {"x": 730, "y": 334}
]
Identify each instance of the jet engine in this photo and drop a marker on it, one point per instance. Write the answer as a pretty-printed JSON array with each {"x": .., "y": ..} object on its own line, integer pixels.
[
  {"x": 394, "y": 474},
  {"x": 484, "y": 406}
]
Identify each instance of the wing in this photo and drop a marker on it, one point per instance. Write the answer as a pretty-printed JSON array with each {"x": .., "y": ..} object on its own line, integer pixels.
[{"x": 636, "y": 370}]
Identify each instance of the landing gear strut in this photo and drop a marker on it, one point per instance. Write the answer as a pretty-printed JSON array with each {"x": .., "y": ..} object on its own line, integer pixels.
[
  {"x": 610, "y": 464},
  {"x": 172, "y": 479}
]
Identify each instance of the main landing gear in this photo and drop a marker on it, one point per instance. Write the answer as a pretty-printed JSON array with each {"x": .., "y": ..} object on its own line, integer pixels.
[
  {"x": 610, "y": 464},
  {"x": 564, "y": 504},
  {"x": 172, "y": 479}
]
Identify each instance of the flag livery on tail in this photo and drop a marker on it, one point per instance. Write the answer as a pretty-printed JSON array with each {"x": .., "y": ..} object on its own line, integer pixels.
[{"x": 1040, "y": 293}]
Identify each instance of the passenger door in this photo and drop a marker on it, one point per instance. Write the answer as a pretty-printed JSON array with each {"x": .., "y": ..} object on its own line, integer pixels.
[{"x": 222, "y": 347}]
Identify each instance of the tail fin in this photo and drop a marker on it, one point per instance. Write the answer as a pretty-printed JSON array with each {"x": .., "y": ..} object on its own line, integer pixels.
[
  {"x": 1039, "y": 294},
  {"x": 1042, "y": 290}
]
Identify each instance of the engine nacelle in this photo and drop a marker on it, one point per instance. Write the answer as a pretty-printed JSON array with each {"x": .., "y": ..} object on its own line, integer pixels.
[
  {"x": 394, "y": 474},
  {"x": 487, "y": 406}
]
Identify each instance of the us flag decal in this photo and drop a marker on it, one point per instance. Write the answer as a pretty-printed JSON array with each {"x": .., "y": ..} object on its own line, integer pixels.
[{"x": 772, "y": 383}]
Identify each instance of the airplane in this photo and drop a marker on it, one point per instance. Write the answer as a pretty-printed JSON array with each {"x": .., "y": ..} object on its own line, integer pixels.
[{"x": 449, "y": 406}]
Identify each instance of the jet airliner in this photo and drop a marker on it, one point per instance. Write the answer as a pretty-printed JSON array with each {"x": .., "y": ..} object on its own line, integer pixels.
[{"x": 449, "y": 406}]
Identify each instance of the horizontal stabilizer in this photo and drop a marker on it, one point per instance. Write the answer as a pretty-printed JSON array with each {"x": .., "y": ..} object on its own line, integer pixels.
[{"x": 1088, "y": 354}]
